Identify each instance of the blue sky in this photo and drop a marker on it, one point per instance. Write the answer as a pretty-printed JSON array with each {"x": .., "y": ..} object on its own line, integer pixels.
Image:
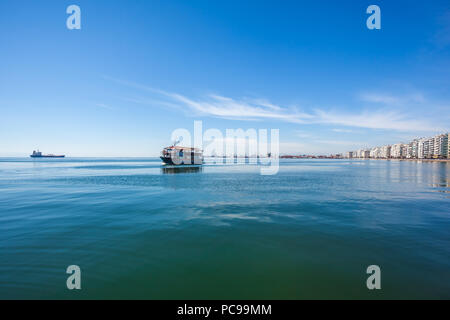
[{"x": 137, "y": 70}]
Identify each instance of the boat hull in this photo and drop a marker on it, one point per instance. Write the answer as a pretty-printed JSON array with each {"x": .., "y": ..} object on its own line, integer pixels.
[
  {"x": 47, "y": 156},
  {"x": 169, "y": 161}
]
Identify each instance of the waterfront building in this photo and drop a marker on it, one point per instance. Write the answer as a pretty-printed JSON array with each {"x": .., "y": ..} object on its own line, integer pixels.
[
  {"x": 397, "y": 151},
  {"x": 422, "y": 148},
  {"x": 363, "y": 154},
  {"x": 430, "y": 152},
  {"x": 359, "y": 154},
  {"x": 440, "y": 143},
  {"x": 385, "y": 152},
  {"x": 404, "y": 150},
  {"x": 413, "y": 149},
  {"x": 448, "y": 146},
  {"x": 375, "y": 153}
]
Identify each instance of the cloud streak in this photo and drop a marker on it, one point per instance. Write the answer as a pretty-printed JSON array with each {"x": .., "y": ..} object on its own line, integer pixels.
[
  {"x": 392, "y": 100},
  {"x": 377, "y": 119},
  {"x": 219, "y": 106},
  {"x": 223, "y": 107}
]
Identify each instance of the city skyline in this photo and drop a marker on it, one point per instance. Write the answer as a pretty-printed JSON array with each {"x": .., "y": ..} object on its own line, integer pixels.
[
  {"x": 136, "y": 71},
  {"x": 435, "y": 147}
]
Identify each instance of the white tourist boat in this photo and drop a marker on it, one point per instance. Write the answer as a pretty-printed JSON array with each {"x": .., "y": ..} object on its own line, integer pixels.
[{"x": 178, "y": 155}]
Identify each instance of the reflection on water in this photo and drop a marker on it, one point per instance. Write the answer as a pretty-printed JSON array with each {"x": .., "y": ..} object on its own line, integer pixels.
[
  {"x": 441, "y": 185},
  {"x": 183, "y": 169},
  {"x": 434, "y": 174}
]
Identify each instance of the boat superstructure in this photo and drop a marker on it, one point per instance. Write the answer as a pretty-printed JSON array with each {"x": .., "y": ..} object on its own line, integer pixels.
[
  {"x": 38, "y": 154},
  {"x": 178, "y": 155}
]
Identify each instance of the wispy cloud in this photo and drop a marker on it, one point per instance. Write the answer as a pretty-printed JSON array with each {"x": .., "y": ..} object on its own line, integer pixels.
[
  {"x": 224, "y": 107},
  {"x": 342, "y": 130},
  {"x": 219, "y": 106},
  {"x": 377, "y": 119},
  {"x": 392, "y": 100}
]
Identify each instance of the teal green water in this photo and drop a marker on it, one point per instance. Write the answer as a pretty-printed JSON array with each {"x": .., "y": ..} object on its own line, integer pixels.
[{"x": 139, "y": 231}]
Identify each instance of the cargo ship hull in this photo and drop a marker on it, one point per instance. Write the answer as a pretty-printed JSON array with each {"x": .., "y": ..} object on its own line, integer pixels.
[
  {"x": 38, "y": 154},
  {"x": 47, "y": 156}
]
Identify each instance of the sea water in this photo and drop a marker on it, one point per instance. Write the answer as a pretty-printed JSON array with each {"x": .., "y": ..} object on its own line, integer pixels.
[{"x": 138, "y": 229}]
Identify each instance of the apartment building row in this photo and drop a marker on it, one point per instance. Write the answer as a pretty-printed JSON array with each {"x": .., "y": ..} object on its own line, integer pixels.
[{"x": 437, "y": 147}]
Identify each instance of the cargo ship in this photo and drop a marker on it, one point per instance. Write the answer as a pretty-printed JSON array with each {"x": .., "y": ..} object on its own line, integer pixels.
[
  {"x": 38, "y": 154},
  {"x": 177, "y": 155}
]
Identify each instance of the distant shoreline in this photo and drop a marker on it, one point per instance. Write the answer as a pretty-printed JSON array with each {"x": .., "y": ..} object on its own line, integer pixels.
[
  {"x": 390, "y": 159},
  {"x": 424, "y": 160}
]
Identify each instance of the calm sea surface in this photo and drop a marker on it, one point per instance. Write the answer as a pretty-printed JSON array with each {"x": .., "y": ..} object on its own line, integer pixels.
[{"x": 139, "y": 231}]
